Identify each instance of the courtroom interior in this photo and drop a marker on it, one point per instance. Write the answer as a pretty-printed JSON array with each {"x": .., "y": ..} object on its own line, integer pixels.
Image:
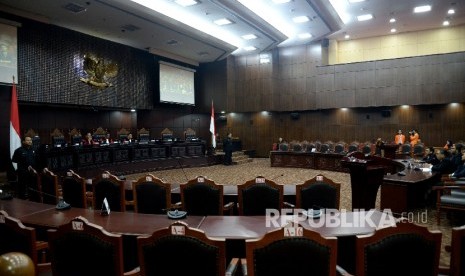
[{"x": 268, "y": 137}]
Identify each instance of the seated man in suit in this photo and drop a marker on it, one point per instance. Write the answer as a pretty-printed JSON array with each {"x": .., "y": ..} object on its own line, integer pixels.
[
  {"x": 445, "y": 164},
  {"x": 430, "y": 156},
  {"x": 460, "y": 171}
]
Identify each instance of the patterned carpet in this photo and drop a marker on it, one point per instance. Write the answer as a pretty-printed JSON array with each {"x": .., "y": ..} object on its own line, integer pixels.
[{"x": 238, "y": 174}]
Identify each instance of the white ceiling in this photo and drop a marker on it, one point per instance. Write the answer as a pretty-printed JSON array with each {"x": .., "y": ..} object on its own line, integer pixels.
[{"x": 126, "y": 22}]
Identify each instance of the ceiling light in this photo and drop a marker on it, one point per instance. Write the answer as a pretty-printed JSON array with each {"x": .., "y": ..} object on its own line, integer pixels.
[
  {"x": 222, "y": 21},
  {"x": 304, "y": 35},
  {"x": 249, "y": 36},
  {"x": 300, "y": 19},
  {"x": 356, "y": 1},
  {"x": 201, "y": 23},
  {"x": 186, "y": 3},
  {"x": 364, "y": 17},
  {"x": 392, "y": 20},
  {"x": 393, "y": 30},
  {"x": 133, "y": 110},
  {"x": 250, "y": 48},
  {"x": 347, "y": 36},
  {"x": 422, "y": 9},
  {"x": 451, "y": 11},
  {"x": 445, "y": 23},
  {"x": 265, "y": 60},
  {"x": 281, "y": 1}
]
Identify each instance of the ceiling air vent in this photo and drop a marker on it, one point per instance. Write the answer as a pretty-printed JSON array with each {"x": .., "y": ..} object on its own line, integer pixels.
[
  {"x": 74, "y": 8},
  {"x": 130, "y": 28}
]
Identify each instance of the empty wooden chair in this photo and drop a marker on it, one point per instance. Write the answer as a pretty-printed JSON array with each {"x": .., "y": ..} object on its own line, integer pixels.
[
  {"x": 151, "y": 195},
  {"x": 318, "y": 192},
  {"x": 259, "y": 194},
  {"x": 73, "y": 189}
]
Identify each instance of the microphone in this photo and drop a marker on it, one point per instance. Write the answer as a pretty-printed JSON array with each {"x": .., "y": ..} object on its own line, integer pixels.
[
  {"x": 182, "y": 169},
  {"x": 61, "y": 205}
]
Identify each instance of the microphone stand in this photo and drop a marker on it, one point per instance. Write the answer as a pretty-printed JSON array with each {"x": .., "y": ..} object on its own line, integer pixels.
[{"x": 61, "y": 205}]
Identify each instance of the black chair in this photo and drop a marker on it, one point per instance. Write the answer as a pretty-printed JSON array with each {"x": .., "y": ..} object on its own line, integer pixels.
[
  {"x": 15, "y": 237},
  {"x": 110, "y": 187},
  {"x": 367, "y": 149},
  {"x": 339, "y": 148},
  {"x": 292, "y": 250},
  {"x": 324, "y": 148},
  {"x": 49, "y": 187},
  {"x": 406, "y": 149},
  {"x": 73, "y": 188},
  {"x": 83, "y": 248},
  {"x": 450, "y": 196},
  {"x": 284, "y": 147},
  {"x": 457, "y": 265},
  {"x": 203, "y": 197},
  {"x": 353, "y": 147},
  {"x": 318, "y": 192},
  {"x": 257, "y": 195},
  {"x": 151, "y": 195},
  {"x": 419, "y": 150},
  {"x": 179, "y": 250},
  {"x": 405, "y": 249}
]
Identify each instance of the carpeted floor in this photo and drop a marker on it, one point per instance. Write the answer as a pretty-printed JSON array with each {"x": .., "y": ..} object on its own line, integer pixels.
[{"x": 238, "y": 174}]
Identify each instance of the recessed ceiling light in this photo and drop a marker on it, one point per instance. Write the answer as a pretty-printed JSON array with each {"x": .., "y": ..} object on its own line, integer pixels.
[
  {"x": 249, "y": 36},
  {"x": 451, "y": 11},
  {"x": 364, "y": 17},
  {"x": 445, "y": 23},
  {"x": 265, "y": 60},
  {"x": 222, "y": 21},
  {"x": 300, "y": 19},
  {"x": 393, "y": 30},
  {"x": 250, "y": 48},
  {"x": 304, "y": 35},
  {"x": 425, "y": 8},
  {"x": 347, "y": 36},
  {"x": 356, "y": 1},
  {"x": 392, "y": 20},
  {"x": 186, "y": 3},
  {"x": 281, "y": 1}
]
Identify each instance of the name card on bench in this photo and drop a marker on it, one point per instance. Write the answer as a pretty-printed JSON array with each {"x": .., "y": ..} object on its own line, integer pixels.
[
  {"x": 319, "y": 178},
  {"x": 200, "y": 179},
  {"x": 259, "y": 180},
  {"x": 178, "y": 230},
  {"x": 293, "y": 231},
  {"x": 105, "y": 175},
  {"x": 148, "y": 178},
  {"x": 78, "y": 225}
]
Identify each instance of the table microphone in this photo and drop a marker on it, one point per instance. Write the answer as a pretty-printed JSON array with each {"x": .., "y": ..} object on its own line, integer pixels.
[{"x": 61, "y": 205}]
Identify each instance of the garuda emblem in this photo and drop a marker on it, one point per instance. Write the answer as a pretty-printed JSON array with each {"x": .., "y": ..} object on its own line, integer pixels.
[{"x": 98, "y": 71}]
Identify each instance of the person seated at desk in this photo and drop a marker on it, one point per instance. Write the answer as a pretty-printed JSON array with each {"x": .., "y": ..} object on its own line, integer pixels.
[
  {"x": 456, "y": 156},
  {"x": 430, "y": 156},
  {"x": 107, "y": 140},
  {"x": 445, "y": 165},
  {"x": 460, "y": 171},
  {"x": 88, "y": 140},
  {"x": 379, "y": 145},
  {"x": 128, "y": 139},
  {"x": 448, "y": 145}
]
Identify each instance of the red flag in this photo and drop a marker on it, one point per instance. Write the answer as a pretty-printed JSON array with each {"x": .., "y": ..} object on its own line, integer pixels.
[
  {"x": 15, "y": 138},
  {"x": 212, "y": 127}
]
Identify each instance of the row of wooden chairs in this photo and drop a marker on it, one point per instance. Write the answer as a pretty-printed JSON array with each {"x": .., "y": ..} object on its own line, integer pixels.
[
  {"x": 200, "y": 196},
  {"x": 326, "y": 147},
  {"x": 83, "y": 248}
]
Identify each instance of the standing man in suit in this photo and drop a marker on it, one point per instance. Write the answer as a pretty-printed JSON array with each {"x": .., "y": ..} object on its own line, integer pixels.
[
  {"x": 228, "y": 149},
  {"x": 26, "y": 159}
]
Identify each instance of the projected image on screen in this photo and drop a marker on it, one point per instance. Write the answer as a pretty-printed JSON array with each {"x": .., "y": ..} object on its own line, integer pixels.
[
  {"x": 176, "y": 84},
  {"x": 8, "y": 54}
]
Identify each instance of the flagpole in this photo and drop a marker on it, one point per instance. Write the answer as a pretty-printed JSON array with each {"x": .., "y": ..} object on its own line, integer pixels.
[{"x": 15, "y": 138}]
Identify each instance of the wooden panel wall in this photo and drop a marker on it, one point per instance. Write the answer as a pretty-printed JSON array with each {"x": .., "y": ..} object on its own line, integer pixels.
[{"x": 435, "y": 124}]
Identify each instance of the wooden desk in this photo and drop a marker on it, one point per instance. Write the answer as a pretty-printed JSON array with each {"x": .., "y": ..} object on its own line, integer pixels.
[
  {"x": 309, "y": 160},
  {"x": 18, "y": 208}
]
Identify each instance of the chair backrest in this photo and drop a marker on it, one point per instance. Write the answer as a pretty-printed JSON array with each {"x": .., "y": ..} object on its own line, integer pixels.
[
  {"x": 151, "y": 195},
  {"x": 15, "y": 237},
  {"x": 353, "y": 147},
  {"x": 367, "y": 148},
  {"x": 297, "y": 147},
  {"x": 318, "y": 192},
  {"x": 143, "y": 135},
  {"x": 75, "y": 136},
  {"x": 324, "y": 148},
  {"x": 259, "y": 194},
  {"x": 167, "y": 134},
  {"x": 291, "y": 250},
  {"x": 99, "y": 134},
  {"x": 49, "y": 187},
  {"x": 58, "y": 139},
  {"x": 179, "y": 250},
  {"x": 122, "y": 134},
  {"x": 457, "y": 255},
  {"x": 406, "y": 148},
  {"x": 339, "y": 147},
  {"x": 419, "y": 149},
  {"x": 405, "y": 249},
  {"x": 284, "y": 147},
  {"x": 202, "y": 197},
  {"x": 110, "y": 187},
  {"x": 83, "y": 248},
  {"x": 73, "y": 188}
]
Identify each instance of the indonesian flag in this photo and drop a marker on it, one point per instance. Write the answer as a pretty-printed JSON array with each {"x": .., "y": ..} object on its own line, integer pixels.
[
  {"x": 15, "y": 138},
  {"x": 212, "y": 127}
]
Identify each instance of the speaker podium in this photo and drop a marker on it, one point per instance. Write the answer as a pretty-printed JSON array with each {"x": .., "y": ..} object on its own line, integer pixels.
[{"x": 366, "y": 176}]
